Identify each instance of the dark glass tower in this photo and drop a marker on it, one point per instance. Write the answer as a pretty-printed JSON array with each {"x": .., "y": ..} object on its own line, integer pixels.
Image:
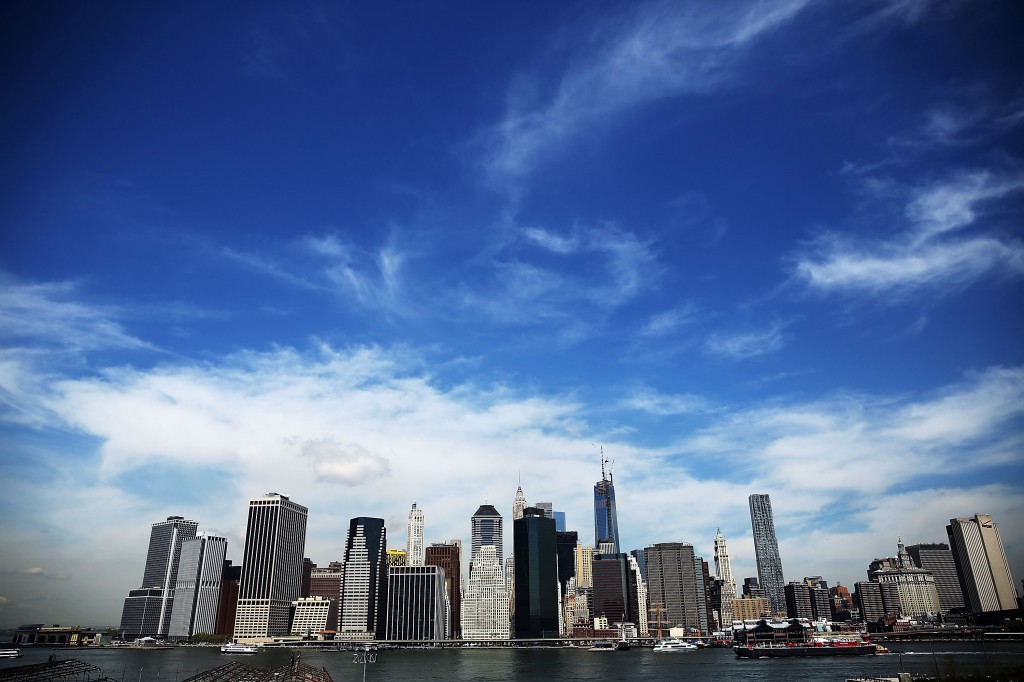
[
  {"x": 565, "y": 547},
  {"x": 536, "y": 575},
  {"x": 766, "y": 549},
  {"x": 606, "y": 521}
]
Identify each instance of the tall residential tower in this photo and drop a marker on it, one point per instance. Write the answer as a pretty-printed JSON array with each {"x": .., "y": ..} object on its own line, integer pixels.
[{"x": 766, "y": 549}]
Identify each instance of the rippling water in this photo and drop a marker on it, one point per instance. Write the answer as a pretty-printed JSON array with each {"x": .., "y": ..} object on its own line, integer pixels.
[{"x": 492, "y": 665}]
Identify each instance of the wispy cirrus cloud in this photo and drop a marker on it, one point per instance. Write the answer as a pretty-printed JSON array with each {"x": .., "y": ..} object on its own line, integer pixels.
[
  {"x": 651, "y": 51},
  {"x": 651, "y": 401},
  {"x": 741, "y": 345},
  {"x": 928, "y": 253},
  {"x": 374, "y": 278},
  {"x": 669, "y": 321},
  {"x": 52, "y": 315},
  {"x": 599, "y": 268}
]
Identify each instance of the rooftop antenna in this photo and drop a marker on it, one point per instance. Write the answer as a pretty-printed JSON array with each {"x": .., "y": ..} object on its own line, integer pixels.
[{"x": 604, "y": 460}]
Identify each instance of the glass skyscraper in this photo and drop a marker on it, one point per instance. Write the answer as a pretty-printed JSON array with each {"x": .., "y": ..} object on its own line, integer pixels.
[
  {"x": 536, "y": 575},
  {"x": 606, "y": 521},
  {"x": 766, "y": 549}
]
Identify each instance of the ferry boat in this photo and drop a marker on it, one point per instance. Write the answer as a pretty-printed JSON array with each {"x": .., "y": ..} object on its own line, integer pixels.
[
  {"x": 816, "y": 647},
  {"x": 674, "y": 645},
  {"x": 10, "y": 653},
  {"x": 603, "y": 645},
  {"x": 238, "y": 648}
]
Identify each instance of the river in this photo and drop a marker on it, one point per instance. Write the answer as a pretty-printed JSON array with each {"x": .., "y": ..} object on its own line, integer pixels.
[{"x": 537, "y": 665}]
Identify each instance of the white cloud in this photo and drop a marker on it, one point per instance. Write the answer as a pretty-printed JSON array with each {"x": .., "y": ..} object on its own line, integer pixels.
[
  {"x": 597, "y": 270},
  {"x": 653, "y": 51},
  {"x": 929, "y": 253},
  {"x": 669, "y": 321},
  {"x": 347, "y": 463},
  {"x": 748, "y": 344},
  {"x": 47, "y": 315},
  {"x": 646, "y": 399}
]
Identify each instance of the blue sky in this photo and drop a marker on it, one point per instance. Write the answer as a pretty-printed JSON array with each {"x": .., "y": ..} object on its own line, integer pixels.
[{"x": 371, "y": 255}]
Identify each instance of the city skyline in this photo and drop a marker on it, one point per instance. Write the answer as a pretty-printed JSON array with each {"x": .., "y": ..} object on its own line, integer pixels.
[{"x": 372, "y": 255}]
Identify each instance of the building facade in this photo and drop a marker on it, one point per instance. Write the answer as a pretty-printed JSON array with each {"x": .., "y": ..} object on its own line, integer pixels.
[
  {"x": 311, "y": 617},
  {"x": 536, "y": 575},
  {"x": 414, "y": 547},
  {"x": 606, "y": 520},
  {"x": 614, "y": 595},
  {"x": 485, "y": 601},
  {"x": 766, "y": 550},
  {"x": 519, "y": 504},
  {"x": 798, "y": 601},
  {"x": 147, "y": 611},
  {"x": 565, "y": 548},
  {"x": 417, "y": 608},
  {"x": 364, "y": 581},
  {"x": 448, "y": 557},
  {"x": 672, "y": 588},
  {"x": 197, "y": 590},
  {"x": 275, "y": 540},
  {"x": 937, "y": 559},
  {"x": 723, "y": 571},
  {"x": 326, "y": 583},
  {"x": 981, "y": 564},
  {"x": 485, "y": 529}
]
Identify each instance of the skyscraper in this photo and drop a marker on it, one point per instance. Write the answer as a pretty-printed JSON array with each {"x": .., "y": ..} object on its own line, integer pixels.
[
  {"x": 448, "y": 557},
  {"x": 417, "y": 605},
  {"x": 766, "y": 549},
  {"x": 536, "y": 575},
  {"x": 485, "y": 529},
  {"x": 326, "y": 583},
  {"x": 565, "y": 548},
  {"x": 615, "y": 594},
  {"x": 197, "y": 590},
  {"x": 485, "y": 603},
  {"x": 147, "y": 610},
  {"x": 672, "y": 585},
  {"x": 723, "y": 571},
  {"x": 519, "y": 504},
  {"x": 414, "y": 546},
  {"x": 275, "y": 541},
  {"x": 364, "y": 582},
  {"x": 606, "y": 521},
  {"x": 938, "y": 559},
  {"x": 981, "y": 564}
]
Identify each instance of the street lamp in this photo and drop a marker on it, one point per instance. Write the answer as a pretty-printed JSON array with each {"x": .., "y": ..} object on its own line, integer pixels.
[{"x": 365, "y": 656}]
